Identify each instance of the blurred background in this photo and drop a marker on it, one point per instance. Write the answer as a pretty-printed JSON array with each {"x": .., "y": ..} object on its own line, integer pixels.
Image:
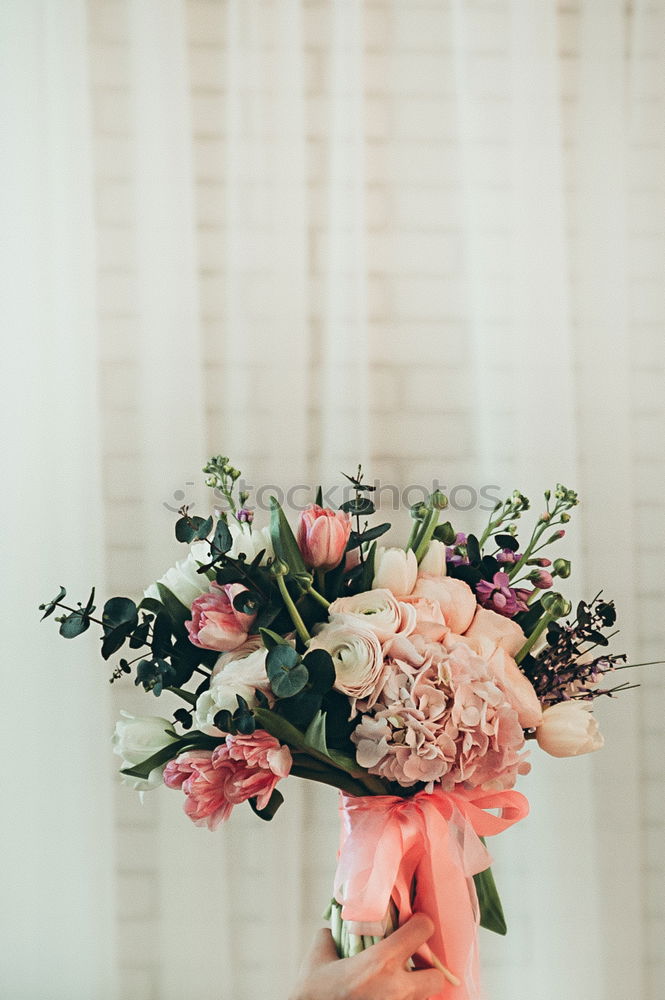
[{"x": 427, "y": 235}]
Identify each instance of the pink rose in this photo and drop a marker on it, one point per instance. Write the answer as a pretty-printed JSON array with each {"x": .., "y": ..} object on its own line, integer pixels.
[
  {"x": 257, "y": 762},
  {"x": 323, "y": 535},
  {"x": 455, "y": 598},
  {"x": 215, "y": 623},
  {"x": 503, "y": 631},
  {"x": 204, "y": 785},
  {"x": 429, "y": 618}
]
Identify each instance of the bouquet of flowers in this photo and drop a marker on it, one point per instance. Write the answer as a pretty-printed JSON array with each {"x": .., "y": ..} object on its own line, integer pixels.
[{"x": 410, "y": 678}]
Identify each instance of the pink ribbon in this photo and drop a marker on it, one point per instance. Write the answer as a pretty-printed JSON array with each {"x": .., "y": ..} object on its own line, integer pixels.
[{"x": 423, "y": 852}]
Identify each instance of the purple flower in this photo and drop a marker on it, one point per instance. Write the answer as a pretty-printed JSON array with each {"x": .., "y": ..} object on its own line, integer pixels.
[
  {"x": 497, "y": 595},
  {"x": 454, "y": 557},
  {"x": 506, "y": 556},
  {"x": 245, "y": 515}
]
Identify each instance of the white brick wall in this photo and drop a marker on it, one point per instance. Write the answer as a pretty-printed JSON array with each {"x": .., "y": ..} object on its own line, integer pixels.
[{"x": 420, "y": 408}]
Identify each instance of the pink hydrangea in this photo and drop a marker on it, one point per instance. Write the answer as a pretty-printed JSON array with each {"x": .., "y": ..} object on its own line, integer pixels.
[{"x": 444, "y": 720}]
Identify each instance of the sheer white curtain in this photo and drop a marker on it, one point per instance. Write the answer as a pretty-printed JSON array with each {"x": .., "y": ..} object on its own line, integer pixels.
[
  {"x": 56, "y": 841},
  {"x": 473, "y": 184}
]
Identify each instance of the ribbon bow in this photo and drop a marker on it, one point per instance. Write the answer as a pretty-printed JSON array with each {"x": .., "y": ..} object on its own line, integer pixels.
[{"x": 422, "y": 852}]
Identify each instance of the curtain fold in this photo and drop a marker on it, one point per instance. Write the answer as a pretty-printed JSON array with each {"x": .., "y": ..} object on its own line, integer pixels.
[{"x": 57, "y": 858}]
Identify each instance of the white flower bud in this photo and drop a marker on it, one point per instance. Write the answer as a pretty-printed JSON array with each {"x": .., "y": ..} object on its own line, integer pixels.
[{"x": 569, "y": 729}]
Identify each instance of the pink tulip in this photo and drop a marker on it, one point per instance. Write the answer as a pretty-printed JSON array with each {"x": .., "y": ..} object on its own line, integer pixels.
[
  {"x": 215, "y": 623},
  {"x": 204, "y": 785},
  {"x": 323, "y": 535},
  {"x": 258, "y": 762}
]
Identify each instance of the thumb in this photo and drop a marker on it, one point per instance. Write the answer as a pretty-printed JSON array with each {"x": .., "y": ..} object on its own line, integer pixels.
[{"x": 322, "y": 952}]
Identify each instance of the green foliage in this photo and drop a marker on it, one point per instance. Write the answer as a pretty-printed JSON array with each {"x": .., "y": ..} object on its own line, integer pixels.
[
  {"x": 283, "y": 541},
  {"x": 286, "y": 671},
  {"x": 50, "y": 606},
  {"x": 491, "y": 910},
  {"x": 274, "y": 802}
]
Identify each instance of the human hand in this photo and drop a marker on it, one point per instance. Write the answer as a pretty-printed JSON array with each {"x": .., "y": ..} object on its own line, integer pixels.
[{"x": 379, "y": 973}]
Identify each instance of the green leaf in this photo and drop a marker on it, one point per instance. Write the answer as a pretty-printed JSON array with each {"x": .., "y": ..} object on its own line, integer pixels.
[
  {"x": 491, "y": 910},
  {"x": 358, "y": 507},
  {"x": 275, "y": 801},
  {"x": 319, "y": 497},
  {"x": 151, "y": 604},
  {"x": 145, "y": 768},
  {"x": 507, "y": 542},
  {"x": 222, "y": 539},
  {"x": 187, "y": 696},
  {"x": 316, "y": 734},
  {"x": 175, "y": 609},
  {"x": 283, "y": 540},
  {"x": 187, "y": 528},
  {"x": 272, "y": 639},
  {"x": 74, "y": 624},
  {"x": 119, "y": 611},
  {"x": 473, "y": 550},
  {"x": 321, "y": 670},
  {"x": 286, "y": 672},
  {"x": 50, "y": 606},
  {"x": 204, "y": 529}
]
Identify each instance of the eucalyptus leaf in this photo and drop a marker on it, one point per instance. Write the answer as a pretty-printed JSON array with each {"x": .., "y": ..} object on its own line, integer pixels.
[
  {"x": 119, "y": 611},
  {"x": 321, "y": 670},
  {"x": 74, "y": 624},
  {"x": 222, "y": 539},
  {"x": 286, "y": 672},
  {"x": 50, "y": 606}
]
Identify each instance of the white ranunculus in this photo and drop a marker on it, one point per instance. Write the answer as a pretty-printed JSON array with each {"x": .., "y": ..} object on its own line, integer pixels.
[
  {"x": 183, "y": 580},
  {"x": 434, "y": 560},
  {"x": 240, "y": 675},
  {"x": 250, "y": 543},
  {"x": 569, "y": 729},
  {"x": 378, "y": 610},
  {"x": 357, "y": 657},
  {"x": 395, "y": 569},
  {"x": 136, "y": 738}
]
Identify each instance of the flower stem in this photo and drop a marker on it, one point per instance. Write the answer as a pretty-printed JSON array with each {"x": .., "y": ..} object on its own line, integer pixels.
[
  {"x": 318, "y": 597},
  {"x": 300, "y": 626},
  {"x": 535, "y": 635},
  {"x": 426, "y": 534}
]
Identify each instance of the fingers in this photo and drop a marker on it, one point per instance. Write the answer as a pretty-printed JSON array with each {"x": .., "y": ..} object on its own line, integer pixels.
[
  {"x": 322, "y": 952},
  {"x": 403, "y": 943},
  {"x": 426, "y": 984}
]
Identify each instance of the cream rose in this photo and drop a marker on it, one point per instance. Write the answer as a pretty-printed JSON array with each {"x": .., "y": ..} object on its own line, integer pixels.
[
  {"x": 358, "y": 659},
  {"x": 250, "y": 543},
  {"x": 569, "y": 729},
  {"x": 240, "y": 675},
  {"x": 378, "y": 610}
]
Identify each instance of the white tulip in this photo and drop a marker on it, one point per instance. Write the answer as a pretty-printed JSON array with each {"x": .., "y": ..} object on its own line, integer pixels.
[
  {"x": 434, "y": 560},
  {"x": 183, "y": 580},
  {"x": 136, "y": 738},
  {"x": 569, "y": 729},
  {"x": 250, "y": 543},
  {"x": 395, "y": 570}
]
